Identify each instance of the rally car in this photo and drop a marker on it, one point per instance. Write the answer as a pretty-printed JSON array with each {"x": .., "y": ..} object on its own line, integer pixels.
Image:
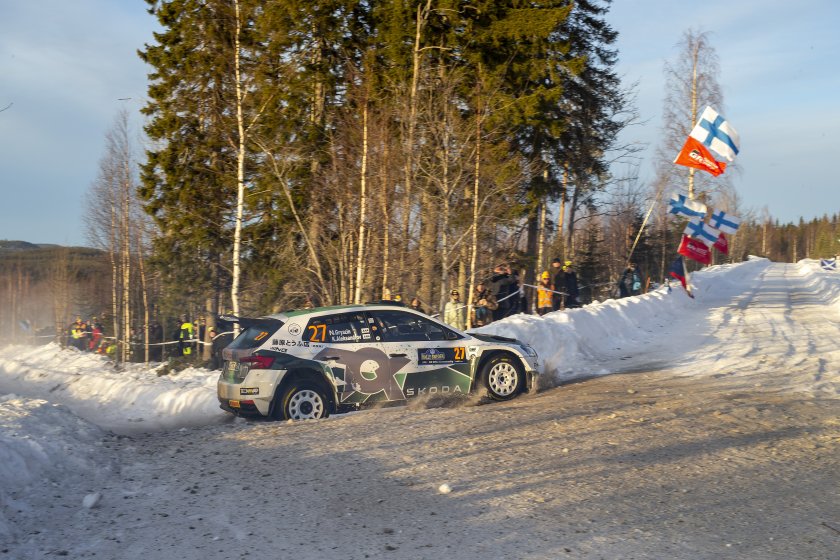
[{"x": 306, "y": 364}]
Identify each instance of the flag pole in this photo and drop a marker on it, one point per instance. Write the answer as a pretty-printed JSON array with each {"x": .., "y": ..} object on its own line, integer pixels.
[
  {"x": 687, "y": 279},
  {"x": 645, "y": 221}
]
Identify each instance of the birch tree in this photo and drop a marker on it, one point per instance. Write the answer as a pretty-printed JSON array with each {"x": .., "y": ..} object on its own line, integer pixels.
[
  {"x": 691, "y": 83},
  {"x": 111, "y": 219}
]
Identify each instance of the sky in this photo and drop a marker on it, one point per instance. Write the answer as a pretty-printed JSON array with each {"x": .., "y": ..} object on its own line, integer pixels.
[
  {"x": 72, "y": 428},
  {"x": 69, "y": 67}
]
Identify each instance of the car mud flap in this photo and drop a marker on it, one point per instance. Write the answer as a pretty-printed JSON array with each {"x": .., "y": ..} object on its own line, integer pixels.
[{"x": 531, "y": 382}]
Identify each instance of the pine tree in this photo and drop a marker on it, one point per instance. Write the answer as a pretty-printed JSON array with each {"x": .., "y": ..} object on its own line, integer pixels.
[{"x": 189, "y": 177}]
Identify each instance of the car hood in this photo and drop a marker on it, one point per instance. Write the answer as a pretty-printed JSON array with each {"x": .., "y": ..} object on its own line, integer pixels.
[{"x": 495, "y": 338}]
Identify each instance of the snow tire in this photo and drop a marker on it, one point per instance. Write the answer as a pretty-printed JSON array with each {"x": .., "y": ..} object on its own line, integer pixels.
[{"x": 503, "y": 377}]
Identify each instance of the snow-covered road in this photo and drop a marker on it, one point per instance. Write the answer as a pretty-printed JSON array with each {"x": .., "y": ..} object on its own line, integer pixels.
[{"x": 720, "y": 440}]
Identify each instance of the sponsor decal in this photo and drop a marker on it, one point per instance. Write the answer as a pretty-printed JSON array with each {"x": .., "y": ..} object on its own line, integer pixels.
[
  {"x": 279, "y": 349},
  {"x": 294, "y": 329},
  {"x": 437, "y": 356},
  {"x": 282, "y": 342},
  {"x": 367, "y": 370},
  {"x": 249, "y": 391},
  {"x": 433, "y": 390}
]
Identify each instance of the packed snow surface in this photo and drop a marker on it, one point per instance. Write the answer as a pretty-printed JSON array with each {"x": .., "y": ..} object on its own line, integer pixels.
[{"x": 61, "y": 410}]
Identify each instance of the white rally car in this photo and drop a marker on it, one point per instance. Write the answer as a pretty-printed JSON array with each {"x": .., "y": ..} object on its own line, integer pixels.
[{"x": 309, "y": 363}]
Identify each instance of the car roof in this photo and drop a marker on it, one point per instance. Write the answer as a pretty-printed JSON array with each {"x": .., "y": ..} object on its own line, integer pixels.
[{"x": 293, "y": 313}]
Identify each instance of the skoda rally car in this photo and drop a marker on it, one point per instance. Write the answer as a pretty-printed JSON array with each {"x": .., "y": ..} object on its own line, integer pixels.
[{"x": 309, "y": 363}]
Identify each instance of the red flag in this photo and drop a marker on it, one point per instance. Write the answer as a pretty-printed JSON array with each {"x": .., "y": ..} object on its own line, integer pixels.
[
  {"x": 695, "y": 154},
  {"x": 722, "y": 244},
  {"x": 695, "y": 250}
]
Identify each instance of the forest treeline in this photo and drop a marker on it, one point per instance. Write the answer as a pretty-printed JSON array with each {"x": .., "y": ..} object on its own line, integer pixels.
[{"x": 342, "y": 151}]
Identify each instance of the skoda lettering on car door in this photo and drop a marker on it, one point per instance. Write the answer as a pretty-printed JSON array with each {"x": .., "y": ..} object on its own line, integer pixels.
[{"x": 310, "y": 363}]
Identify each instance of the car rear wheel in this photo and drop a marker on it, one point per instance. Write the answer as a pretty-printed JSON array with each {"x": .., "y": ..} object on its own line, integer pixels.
[
  {"x": 303, "y": 401},
  {"x": 503, "y": 378}
]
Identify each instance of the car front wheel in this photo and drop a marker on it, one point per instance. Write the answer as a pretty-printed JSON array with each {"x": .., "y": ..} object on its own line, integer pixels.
[
  {"x": 304, "y": 401},
  {"x": 503, "y": 378}
]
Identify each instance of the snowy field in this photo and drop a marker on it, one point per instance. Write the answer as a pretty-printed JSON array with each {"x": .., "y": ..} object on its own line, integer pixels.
[{"x": 63, "y": 413}]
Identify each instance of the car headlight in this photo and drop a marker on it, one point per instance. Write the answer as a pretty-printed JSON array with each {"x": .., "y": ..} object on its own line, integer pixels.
[{"x": 528, "y": 351}]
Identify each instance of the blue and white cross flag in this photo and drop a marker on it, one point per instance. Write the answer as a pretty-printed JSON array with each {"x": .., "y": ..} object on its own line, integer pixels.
[
  {"x": 828, "y": 264},
  {"x": 702, "y": 232},
  {"x": 716, "y": 134},
  {"x": 727, "y": 223},
  {"x": 680, "y": 205}
]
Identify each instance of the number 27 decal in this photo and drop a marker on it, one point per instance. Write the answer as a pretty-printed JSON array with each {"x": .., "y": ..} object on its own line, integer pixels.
[
  {"x": 460, "y": 354},
  {"x": 318, "y": 333}
]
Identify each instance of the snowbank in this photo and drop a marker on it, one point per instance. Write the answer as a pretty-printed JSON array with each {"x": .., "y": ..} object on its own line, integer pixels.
[
  {"x": 574, "y": 343},
  {"x": 125, "y": 402}
]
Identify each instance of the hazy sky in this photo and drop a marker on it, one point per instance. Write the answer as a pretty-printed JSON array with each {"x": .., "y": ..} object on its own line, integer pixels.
[{"x": 67, "y": 68}]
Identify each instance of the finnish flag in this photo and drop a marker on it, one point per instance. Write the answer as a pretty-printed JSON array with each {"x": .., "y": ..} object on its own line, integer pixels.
[
  {"x": 702, "y": 231},
  {"x": 716, "y": 134},
  {"x": 727, "y": 223},
  {"x": 680, "y": 205}
]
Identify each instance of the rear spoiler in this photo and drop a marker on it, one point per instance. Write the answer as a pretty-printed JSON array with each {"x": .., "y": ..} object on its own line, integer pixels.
[{"x": 246, "y": 322}]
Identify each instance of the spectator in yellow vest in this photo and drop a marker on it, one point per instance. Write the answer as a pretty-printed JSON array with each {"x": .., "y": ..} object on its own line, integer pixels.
[
  {"x": 185, "y": 336},
  {"x": 544, "y": 294}
]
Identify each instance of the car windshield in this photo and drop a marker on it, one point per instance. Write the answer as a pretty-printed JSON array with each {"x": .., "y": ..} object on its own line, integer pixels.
[{"x": 255, "y": 334}]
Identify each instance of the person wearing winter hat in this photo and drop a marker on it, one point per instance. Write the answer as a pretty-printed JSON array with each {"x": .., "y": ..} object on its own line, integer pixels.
[
  {"x": 558, "y": 283},
  {"x": 544, "y": 293},
  {"x": 571, "y": 286},
  {"x": 453, "y": 311},
  {"x": 485, "y": 304}
]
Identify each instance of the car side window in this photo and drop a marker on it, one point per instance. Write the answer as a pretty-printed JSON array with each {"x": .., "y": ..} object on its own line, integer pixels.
[
  {"x": 339, "y": 328},
  {"x": 399, "y": 326}
]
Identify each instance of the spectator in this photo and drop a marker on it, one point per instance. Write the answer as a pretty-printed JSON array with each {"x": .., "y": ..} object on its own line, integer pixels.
[
  {"x": 95, "y": 335},
  {"x": 155, "y": 340},
  {"x": 453, "y": 311},
  {"x": 137, "y": 346},
  {"x": 77, "y": 334},
  {"x": 572, "y": 292},
  {"x": 520, "y": 299},
  {"x": 185, "y": 337},
  {"x": 86, "y": 334},
  {"x": 558, "y": 284},
  {"x": 416, "y": 305},
  {"x": 200, "y": 328},
  {"x": 484, "y": 306},
  {"x": 544, "y": 294},
  {"x": 504, "y": 287},
  {"x": 630, "y": 283},
  {"x": 216, "y": 345}
]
